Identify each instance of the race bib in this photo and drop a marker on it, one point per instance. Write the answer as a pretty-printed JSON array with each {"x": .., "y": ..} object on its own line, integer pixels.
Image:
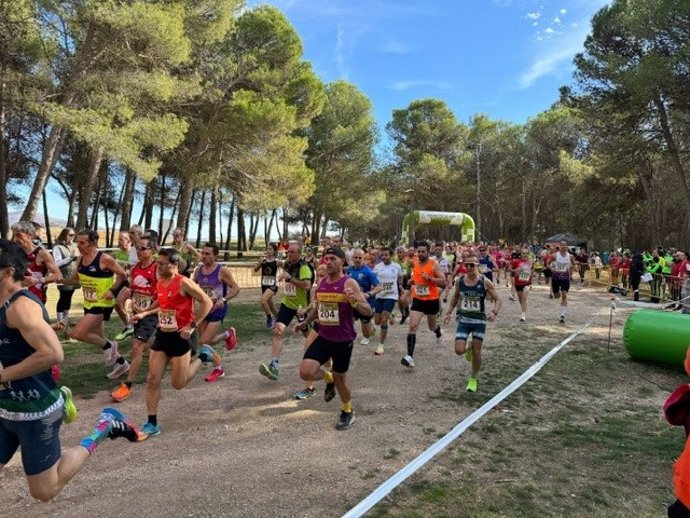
[
  {"x": 268, "y": 280},
  {"x": 483, "y": 268},
  {"x": 472, "y": 304},
  {"x": 329, "y": 314},
  {"x": 561, "y": 267},
  {"x": 90, "y": 293},
  {"x": 141, "y": 301},
  {"x": 166, "y": 320},
  {"x": 524, "y": 275},
  {"x": 387, "y": 289},
  {"x": 289, "y": 289},
  {"x": 421, "y": 290}
]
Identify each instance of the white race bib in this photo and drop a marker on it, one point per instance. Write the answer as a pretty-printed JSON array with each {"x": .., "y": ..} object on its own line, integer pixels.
[
  {"x": 289, "y": 289},
  {"x": 90, "y": 293},
  {"x": 472, "y": 304},
  {"x": 268, "y": 280},
  {"x": 421, "y": 290},
  {"x": 141, "y": 301},
  {"x": 387, "y": 290},
  {"x": 166, "y": 320},
  {"x": 524, "y": 274},
  {"x": 329, "y": 314}
]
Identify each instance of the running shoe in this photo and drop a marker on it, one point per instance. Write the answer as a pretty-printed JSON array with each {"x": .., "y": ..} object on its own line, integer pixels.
[
  {"x": 364, "y": 341},
  {"x": 270, "y": 371},
  {"x": 231, "y": 339},
  {"x": 208, "y": 355},
  {"x": 149, "y": 429},
  {"x": 511, "y": 298},
  {"x": 346, "y": 419},
  {"x": 439, "y": 341},
  {"x": 215, "y": 374},
  {"x": 562, "y": 319},
  {"x": 126, "y": 333},
  {"x": 329, "y": 392},
  {"x": 469, "y": 355},
  {"x": 305, "y": 393},
  {"x": 379, "y": 350},
  {"x": 111, "y": 354},
  {"x": 125, "y": 428},
  {"x": 269, "y": 321},
  {"x": 118, "y": 370},
  {"x": 472, "y": 384},
  {"x": 523, "y": 318},
  {"x": 70, "y": 411},
  {"x": 121, "y": 393},
  {"x": 407, "y": 361}
]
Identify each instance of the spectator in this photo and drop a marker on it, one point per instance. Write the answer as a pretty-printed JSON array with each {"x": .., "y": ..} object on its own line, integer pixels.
[{"x": 65, "y": 255}]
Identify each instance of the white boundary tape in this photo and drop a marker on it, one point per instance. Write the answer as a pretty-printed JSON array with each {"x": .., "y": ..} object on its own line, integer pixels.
[{"x": 380, "y": 492}]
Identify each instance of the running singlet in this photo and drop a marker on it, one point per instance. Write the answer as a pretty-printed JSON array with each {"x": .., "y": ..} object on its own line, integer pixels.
[
  {"x": 388, "y": 276},
  {"x": 424, "y": 290},
  {"x": 211, "y": 283},
  {"x": 561, "y": 266},
  {"x": 294, "y": 297},
  {"x": 35, "y": 396},
  {"x": 143, "y": 286},
  {"x": 364, "y": 276},
  {"x": 37, "y": 272},
  {"x": 523, "y": 273},
  {"x": 95, "y": 283},
  {"x": 176, "y": 310},
  {"x": 471, "y": 310},
  {"x": 269, "y": 273},
  {"x": 486, "y": 267},
  {"x": 336, "y": 317}
]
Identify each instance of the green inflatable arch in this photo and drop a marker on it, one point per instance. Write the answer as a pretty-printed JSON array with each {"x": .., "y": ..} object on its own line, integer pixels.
[{"x": 431, "y": 217}]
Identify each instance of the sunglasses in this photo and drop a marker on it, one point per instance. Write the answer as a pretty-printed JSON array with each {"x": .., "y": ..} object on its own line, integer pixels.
[
  {"x": 142, "y": 248},
  {"x": 470, "y": 265}
]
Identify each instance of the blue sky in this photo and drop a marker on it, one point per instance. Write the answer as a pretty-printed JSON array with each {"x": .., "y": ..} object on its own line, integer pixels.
[{"x": 503, "y": 58}]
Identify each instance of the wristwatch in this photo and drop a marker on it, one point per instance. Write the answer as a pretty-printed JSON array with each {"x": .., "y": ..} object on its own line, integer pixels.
[{"x": 193, "y": 324}]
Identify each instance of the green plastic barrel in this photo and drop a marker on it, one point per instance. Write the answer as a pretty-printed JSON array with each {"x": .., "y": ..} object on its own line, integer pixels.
[{"x": 657, "y": 337}]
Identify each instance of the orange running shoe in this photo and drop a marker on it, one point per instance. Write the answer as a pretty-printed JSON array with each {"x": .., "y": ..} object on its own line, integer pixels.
[{"x": 121, "y": 393}]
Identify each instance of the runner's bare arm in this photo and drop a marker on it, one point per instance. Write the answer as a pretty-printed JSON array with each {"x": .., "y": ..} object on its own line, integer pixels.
[
  {"x": 26, "y": 316},
  {"x": 357, "y": 298},
  {"x": 108, "y": 262},
  {"x": 228, "y": 279},
  {"x": 491, "y": 290},
  {"x": 55, "y": 275},
  {"x": 192, "y": 289}
]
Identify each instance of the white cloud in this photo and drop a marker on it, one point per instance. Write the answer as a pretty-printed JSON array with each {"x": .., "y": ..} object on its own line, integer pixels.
[
  {"x": 395, "y": 47},
  {"x": 533, "y": 16},
  {"x": 401, "y": 86},
  {"x": 534, "y": 24},
  {"x": 563, "y": 11},
  {"x": 556, "y": 20},
  {"x": 549, "y": 31},
  {"x": 340, "y": 53}
]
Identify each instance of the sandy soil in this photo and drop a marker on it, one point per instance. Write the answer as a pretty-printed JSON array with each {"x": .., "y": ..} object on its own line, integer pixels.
[{"x": 243, "y": 447}]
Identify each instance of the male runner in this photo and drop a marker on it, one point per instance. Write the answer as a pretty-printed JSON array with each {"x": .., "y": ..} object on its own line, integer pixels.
[
  {"x": 390, "y": 275},
  {"x": 561, "y": 265}
]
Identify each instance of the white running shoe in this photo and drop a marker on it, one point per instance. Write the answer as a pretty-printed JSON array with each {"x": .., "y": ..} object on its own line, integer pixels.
[
  {"x": 379, "y": 350},
  {"x": 364, "y": 341},
  {"x": 118, "y": 370},
  {"x": 111, "y": 354},
  {"x": 407, "y": 361},
  {"x": 523, "y": 318}
]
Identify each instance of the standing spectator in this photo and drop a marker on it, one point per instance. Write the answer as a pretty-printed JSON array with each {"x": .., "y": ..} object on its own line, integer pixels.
[
  {"x": 636, "y": 271},
  {"x": 582, "y": 260},
  {"x": 597, "y": 264},
  {"x": 614, "y": 263},
  {"x": 625, "y": 269},
  {"x": 65, "y": 255},
  {"x": 676, "y": 283}
]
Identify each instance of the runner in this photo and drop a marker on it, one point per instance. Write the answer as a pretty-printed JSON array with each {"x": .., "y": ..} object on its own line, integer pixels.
[
  {"x": 487, "y": 263},
  {"x": 219, "y": 284},
  {"x": 370, "y": 286},
  {"x": 296, "y": 284},
  {"x": 41, "y": 268},
  {"x": 190, "y": 255},
  {"x": 32, "y": 407},
  {"x": 177, "y": 322},
  {"x": 562, "y": 263},
  {"x": 123, "y": 255},
  {"x": 268, "y": 266},
  {"x": 522, "y": 270},
  {"x": 470, "y": 292},
  {"x": 427, "y": 281},
  {"x": 338, "y": 296},
  {"x": 142, "y": 282},
  {"x": 403, "y": 301},
  {"x": 547, "y": 257},
  {"x": 390, "y": 274},
  {"x": 101, "y": 278}
]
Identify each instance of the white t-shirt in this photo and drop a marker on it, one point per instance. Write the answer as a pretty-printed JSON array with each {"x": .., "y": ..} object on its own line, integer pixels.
[{"x": 388, "y": 277}]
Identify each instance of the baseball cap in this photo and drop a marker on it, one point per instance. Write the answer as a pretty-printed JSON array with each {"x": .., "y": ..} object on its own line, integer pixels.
[{"x": 338, "y": 252}]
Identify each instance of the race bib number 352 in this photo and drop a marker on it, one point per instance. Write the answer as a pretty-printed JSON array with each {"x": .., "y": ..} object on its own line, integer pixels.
[{"x": 167, "y": 320}]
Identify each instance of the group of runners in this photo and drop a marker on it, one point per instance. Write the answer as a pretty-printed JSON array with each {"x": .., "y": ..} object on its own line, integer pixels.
[{"x": 174, "y": 308}]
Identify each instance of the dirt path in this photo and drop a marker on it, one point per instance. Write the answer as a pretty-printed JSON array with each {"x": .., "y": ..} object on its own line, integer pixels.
[{"x": 244, "y": 447}]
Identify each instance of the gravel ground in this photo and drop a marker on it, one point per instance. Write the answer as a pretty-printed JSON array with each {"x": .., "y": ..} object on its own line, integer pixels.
[{"x": 243, "y": 447}]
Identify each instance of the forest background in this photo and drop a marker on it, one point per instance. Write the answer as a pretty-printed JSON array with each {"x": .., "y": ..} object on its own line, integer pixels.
[{"x": 204, "y": 113}]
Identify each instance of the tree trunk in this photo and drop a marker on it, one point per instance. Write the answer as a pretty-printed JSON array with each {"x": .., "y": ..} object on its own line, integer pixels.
[
  {"x": 161, "y": 207},
  {"x": 212, "y": 211},
  {"x": 93, "y": 223},
  {"x": 120, "y": 200},
  {"x": 201, "y": 218},
  {"x": 186, "y": 201},
  {"x": 140, "y": 221},
  {"x": 149, "y": 202},
  {"x": 128, "y": 199},
  {"x": 285, "y": 223},
  {"x": 253, "y": 227},
  {"x": 231, "y": 215},
  {"x": 241, "y": 231},
  {"x": 46, "y": 221},
  {"x": 176, "y": 206},
  {"x": 268, "y": 228},
  {"x": 89, "y": 186}
]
